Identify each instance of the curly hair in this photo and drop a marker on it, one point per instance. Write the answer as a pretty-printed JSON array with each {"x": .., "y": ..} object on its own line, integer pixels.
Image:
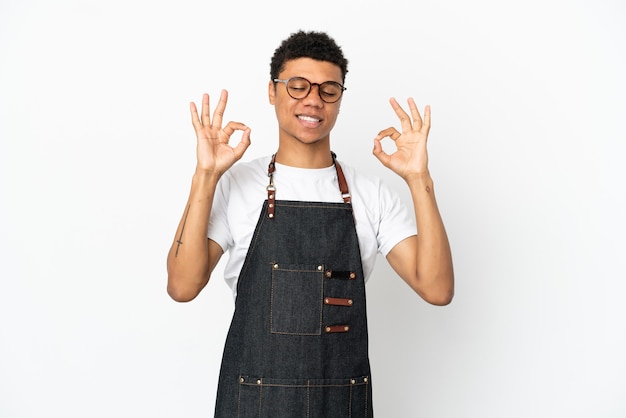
[{"x": 316, "y": 45}]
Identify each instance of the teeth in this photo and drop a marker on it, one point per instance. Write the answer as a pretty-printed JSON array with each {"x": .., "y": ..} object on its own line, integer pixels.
[{"x": 308, "y": 119}]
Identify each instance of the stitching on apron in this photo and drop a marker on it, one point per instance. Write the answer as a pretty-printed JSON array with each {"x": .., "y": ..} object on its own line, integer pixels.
[
  {"x": 339, "y": 206},
  {"x": 308, "y": 399},
  {"x": 319, "y": 270},
  {"x": 367, "y": 382},
  {"x": 350, "y": 382},
  {"x": 253, "y": 244},
  {"x": 260, "y": 398},
  {"x": 350, "y": 404}
]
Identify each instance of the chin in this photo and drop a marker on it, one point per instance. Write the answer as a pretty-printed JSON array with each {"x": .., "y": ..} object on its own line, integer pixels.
[{"x": 310, "y": 141}]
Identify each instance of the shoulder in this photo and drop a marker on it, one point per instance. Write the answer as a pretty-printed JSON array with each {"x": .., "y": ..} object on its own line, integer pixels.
[
  {"x": 358, "y": 175},
  {"x": 363, "y": 183},
  {"x": 373, "y": 195},
  {"x": 255, "y": 167},
  {"x": 245, "y": 173}
]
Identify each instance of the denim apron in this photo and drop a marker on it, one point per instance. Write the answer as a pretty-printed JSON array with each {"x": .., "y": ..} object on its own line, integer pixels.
[{"x": 297, "y": 345}]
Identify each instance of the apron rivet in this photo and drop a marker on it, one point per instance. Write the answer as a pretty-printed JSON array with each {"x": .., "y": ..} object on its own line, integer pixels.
[
  {"x": 275, "y": 266},
  {"x": 352, "y": 381},
  {"x": 320, "y": 268},
  {"x": 258, "y": 382},
  {"x": 241, "y": 380},
  {"x": 365, "y": 380}
]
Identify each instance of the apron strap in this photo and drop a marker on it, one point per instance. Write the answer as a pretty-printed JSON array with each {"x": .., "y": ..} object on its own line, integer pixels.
[
  {"x": 271, "y": 190},
  {"x": 341, "y": 179}
]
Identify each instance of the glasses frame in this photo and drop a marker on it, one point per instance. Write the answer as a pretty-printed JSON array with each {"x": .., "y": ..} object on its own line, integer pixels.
[{"x": 319, "y": 88}]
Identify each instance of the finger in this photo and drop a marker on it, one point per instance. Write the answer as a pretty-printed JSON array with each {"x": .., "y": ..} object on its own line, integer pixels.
[
  {"x": 415, "y": 113},
  {"x": 390, "y": 132},
  {"x": 426, "y": 125},
  {"x": 195, "y": 120},
  {"x": 231, "y": 127},
  {"x": 379, "y": 153},
  {"x": 243, "y": 144},
  {"x": 405, "y": 121},
  {"x": 219, "y": 110},
  {"x": 206, "y": 119}
]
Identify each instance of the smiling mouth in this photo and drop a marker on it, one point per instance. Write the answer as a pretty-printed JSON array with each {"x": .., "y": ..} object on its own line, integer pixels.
[{"x": 309, "y": 119}]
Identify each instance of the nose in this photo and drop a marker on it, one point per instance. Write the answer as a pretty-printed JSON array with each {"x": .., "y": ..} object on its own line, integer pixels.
[{"x": 314, "y": 98}]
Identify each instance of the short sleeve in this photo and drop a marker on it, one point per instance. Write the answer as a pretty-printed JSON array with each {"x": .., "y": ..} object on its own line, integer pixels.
[
  {"x": 397, "y": 222},
  {"x": 219, "y": 230}
]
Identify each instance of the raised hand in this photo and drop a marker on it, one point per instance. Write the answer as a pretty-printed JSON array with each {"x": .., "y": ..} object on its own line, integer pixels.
[
  {"x": 215, "y": 154},
  {"x": 411, "y": 156}
]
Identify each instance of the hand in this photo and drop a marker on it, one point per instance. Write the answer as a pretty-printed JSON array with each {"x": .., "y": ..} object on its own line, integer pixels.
[
  {"x": 411, "y": 156},
  {"x": 214, "y": 153}
]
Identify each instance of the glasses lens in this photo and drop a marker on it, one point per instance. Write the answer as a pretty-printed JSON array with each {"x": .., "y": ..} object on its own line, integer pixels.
[
  {"x": 298, "y": 87},
  {"x": 330, "y": 91}
]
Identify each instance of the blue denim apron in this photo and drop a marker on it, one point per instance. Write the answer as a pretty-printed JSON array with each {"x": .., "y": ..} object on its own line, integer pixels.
[{"x": 297, "y": 345}]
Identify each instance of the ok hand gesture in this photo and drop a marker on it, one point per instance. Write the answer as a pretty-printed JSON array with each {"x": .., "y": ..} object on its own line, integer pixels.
[
  {"x": 410, "y": 157},
  {"x": 214, "y": 153}
]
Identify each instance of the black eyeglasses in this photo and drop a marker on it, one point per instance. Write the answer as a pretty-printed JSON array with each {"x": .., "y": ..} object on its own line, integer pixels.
[{"x": 299, "y": 88}]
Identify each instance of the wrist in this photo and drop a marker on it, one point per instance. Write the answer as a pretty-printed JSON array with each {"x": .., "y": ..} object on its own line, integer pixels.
[
  {"x": 203, "y": 184},
  {"x": 420, "y": 178},
  {"x": 420, "y": 184},
  {"x": 206, "y": 176}
]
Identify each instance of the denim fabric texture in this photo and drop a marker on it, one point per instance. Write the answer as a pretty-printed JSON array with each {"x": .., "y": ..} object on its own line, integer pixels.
[{"x": 279, "y": 360}]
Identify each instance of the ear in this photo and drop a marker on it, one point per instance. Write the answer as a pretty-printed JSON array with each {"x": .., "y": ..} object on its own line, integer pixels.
[{"x": 271, "y": 91}]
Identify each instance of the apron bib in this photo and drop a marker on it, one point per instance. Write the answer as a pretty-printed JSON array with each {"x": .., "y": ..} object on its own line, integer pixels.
[{"x": 298, "y": 345}]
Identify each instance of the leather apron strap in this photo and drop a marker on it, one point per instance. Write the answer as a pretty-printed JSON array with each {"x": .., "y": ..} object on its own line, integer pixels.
[{"x": 271, "y": 189}]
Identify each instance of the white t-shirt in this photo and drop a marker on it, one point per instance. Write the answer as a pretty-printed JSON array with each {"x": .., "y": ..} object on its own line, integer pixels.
[{"x": 382, "y": 220}]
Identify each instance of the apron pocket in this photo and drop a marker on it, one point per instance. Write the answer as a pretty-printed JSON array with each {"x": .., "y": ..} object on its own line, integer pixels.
[
  {"x": 289, "y": 398},
  {"x": 297, "y": 297}
]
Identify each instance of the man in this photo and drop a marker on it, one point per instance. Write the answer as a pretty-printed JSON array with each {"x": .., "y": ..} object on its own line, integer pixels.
[{"x": 303, "y": 231}]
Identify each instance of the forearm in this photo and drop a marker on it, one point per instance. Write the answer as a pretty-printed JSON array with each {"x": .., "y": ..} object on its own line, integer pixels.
[
  {"x": 434, "y": 271},
  {"x": 188, "y": 263}
]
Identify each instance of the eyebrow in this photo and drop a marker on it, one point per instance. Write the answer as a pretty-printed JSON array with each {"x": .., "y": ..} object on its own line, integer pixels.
[{"x": 312, "y": 82}]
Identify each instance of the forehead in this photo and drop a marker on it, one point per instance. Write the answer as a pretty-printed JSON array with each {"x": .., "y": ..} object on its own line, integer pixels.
[{"x": 313, "y": 70}]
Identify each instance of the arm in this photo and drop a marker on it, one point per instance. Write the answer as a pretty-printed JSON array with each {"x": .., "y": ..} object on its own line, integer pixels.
[
  {"x": 192, "y": 256},
  {"x": 424, "y": 261}
]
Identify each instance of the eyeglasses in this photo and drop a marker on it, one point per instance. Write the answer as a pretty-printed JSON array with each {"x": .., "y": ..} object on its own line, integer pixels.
[{"x": 299, "y": 88}]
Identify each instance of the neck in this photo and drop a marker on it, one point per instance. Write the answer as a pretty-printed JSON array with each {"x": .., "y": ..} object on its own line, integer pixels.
[{"x": 305, "y": 155}]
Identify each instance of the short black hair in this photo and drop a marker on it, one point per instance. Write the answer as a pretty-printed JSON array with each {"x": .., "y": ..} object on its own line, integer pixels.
[{"x": 316, "y": 45}]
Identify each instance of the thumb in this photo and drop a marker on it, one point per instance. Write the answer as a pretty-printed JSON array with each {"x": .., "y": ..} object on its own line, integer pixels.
[{"x": 379, "y": 153}]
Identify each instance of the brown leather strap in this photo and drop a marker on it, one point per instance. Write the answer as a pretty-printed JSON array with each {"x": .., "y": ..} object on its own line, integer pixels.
[
  {"x": 271, "y": 190},
  {"x": 336, "y": 328},
  {"x": 341, "y": 179},
  {"x": 338, "y": 301}
]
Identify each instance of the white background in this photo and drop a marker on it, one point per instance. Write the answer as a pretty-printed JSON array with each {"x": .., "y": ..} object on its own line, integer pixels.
[{"x": 527, "y": 150}]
